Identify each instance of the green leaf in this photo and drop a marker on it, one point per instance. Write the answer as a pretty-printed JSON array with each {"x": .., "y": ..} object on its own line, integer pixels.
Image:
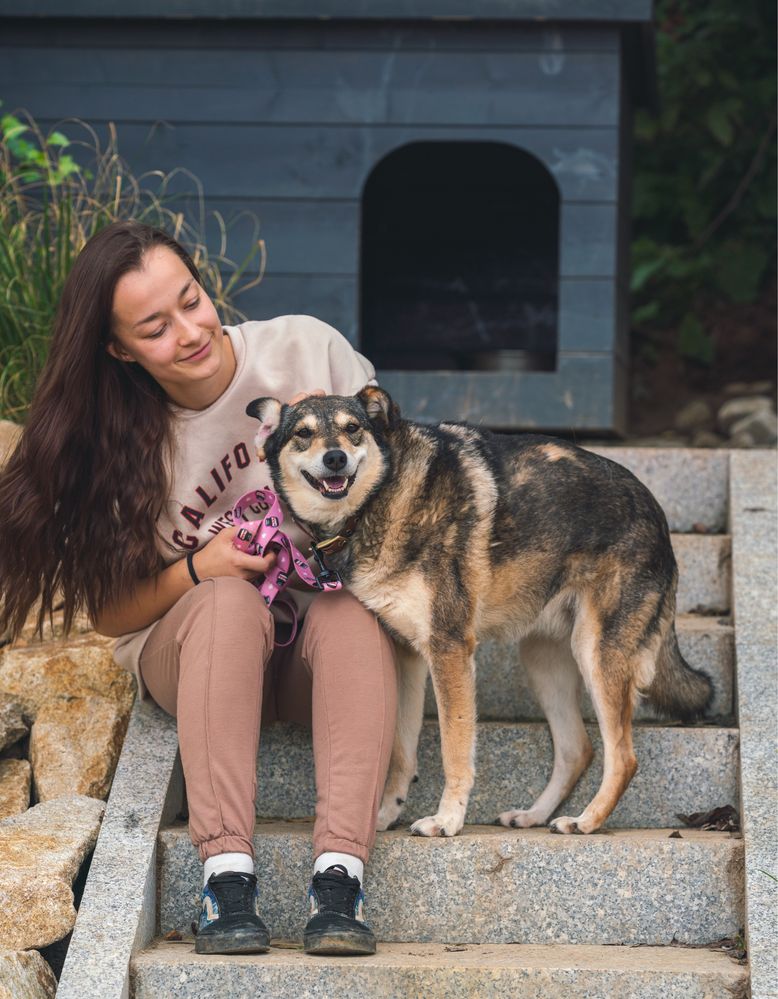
[
  {"x": 693, "y": 341},
  {"x": 58, "y": 139},
  {"x": 739, "y": 270},
  {"x": 646, "y": 313},
  {"x": 643, "y": 272},
  {"x": 719, "y": 124}
]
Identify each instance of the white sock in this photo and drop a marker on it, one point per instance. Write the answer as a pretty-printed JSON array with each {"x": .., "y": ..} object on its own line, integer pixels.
[
  {"x": 227, "y": 862},
  {"x": 354, "y": 866}
]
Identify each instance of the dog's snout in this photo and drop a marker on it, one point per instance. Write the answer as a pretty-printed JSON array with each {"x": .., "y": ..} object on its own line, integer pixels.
[{"x": 335, "y": 460}]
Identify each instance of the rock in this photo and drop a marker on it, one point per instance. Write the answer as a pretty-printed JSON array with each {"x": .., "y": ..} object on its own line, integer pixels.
[
  {"x": 74, "y": 746},
  {"x": 24, "y": 974},
  {"x": 762, "y": 427},
  {"x": 749, "y": 388},
  {"x": 52, "y": 628},
  {"x": 735, "y": 409},
  {"x": 742, "y": 439},
  {"x": 77, "y": 668},
  {"x": 693, "y": 415},
  {"x": 706, "y": 438},
  {"x": 12, "y": 724},
  {"x": 14, "y": 787},
  {"x": 42, "y": 850},
  {"x": 9, "y": 435}
]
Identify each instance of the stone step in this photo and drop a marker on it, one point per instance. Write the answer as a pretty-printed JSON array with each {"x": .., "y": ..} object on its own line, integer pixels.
[
  {"x": 704, "y": 573},
  {"x": 691, "y": 484},
  {"x": 707, "y": 643},
  {"x": 399, "y": 970},
  {"x": 679, "y": 770},
  {"x": 495, "y": 885}
]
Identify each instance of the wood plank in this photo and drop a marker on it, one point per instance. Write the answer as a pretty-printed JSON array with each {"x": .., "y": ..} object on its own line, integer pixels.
[
  {"x": 252, "y": 163},
  {"x": 479, "y": 88},
  {"x": 587, "y": 240},
  {"x": 559, "y": 10},
  {"x": 553, "y": 37},
  {"x": 579, "y": 395}
]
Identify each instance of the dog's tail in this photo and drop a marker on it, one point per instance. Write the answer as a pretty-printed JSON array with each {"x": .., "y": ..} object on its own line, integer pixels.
[{"x": 678, "y": 690}]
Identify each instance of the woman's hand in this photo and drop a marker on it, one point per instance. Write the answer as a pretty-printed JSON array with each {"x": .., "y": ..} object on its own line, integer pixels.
[
  {"x": 304, "y": 395},
  {"x": 220, "y": 558}
]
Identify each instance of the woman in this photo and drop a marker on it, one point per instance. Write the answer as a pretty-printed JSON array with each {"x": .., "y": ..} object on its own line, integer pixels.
[{"x": 135, "y": 450}]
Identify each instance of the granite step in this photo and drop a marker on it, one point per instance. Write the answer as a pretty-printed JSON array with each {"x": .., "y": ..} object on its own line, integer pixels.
[
  {"x": 399, "y": 970},
  {"x": 495, "y": 885},
  {"x": 679, "y": 770},
  {"x": 704, "y": 573},
  {"x": 707, "y": 643},
  {"x": 691, "y": 484}
]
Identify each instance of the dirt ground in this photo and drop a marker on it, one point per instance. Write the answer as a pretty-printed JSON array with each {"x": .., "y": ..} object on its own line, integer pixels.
[{"x": 661, "y": 381}]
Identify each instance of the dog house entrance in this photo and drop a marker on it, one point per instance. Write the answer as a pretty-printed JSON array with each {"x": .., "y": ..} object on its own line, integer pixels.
[{"x": 460, "y": 259}]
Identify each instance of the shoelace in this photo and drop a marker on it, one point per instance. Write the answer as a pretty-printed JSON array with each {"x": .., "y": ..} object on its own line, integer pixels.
[
  {"x": 336, "y": 892},
  {"x": 234, "y": 892}
]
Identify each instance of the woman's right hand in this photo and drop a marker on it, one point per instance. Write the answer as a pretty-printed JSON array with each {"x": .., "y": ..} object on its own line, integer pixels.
[{"x": 220, "y": 558}]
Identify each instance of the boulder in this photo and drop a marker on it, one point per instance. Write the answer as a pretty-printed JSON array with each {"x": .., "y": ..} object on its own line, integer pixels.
[
  {"x": 693, "y": 415},
  {"x": 9, "y": 435},
  {"x": 42, "y": 850},
  {"x": 24, "y": 974},
  {"x": 764, "y": 387},
  {"x": 735, "y": 409},
  {"x": 12, "y": 724},
  {"x": 76, "y": 668},
  {"x": 761, "y": 426},
  {"x": 74, "y": 746},
  {"x": 706, "y": 438},
  {"x": 14, "y": 787}
]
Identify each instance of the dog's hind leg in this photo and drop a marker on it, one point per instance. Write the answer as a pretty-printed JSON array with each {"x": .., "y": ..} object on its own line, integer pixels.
[
  {"x": 553, "y": 674},
  {"x": 610, "y": 676},
  {"x": 453, "y": 677},
  {"x": 411, "y": 680}
]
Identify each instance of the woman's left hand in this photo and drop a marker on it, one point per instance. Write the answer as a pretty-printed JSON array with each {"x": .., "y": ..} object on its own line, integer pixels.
[{"x": 304, "y": 395}]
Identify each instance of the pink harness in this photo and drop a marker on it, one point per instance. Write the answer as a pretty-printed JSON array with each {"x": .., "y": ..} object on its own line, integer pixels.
[{"x": 257, "y": 537}]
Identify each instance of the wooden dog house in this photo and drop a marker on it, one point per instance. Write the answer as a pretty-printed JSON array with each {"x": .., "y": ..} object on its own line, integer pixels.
[{"x": 446, "y": 182}]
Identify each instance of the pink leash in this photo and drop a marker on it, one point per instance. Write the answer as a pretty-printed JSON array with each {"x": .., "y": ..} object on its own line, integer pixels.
[{"x": 257, "y": 537}]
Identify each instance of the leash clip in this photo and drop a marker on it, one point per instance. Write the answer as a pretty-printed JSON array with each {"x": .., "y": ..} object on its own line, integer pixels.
[{"x": 328, "y": 579}]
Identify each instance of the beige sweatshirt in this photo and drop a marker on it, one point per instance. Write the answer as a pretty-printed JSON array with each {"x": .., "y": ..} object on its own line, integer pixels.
[{"x": 214, "y": 462}]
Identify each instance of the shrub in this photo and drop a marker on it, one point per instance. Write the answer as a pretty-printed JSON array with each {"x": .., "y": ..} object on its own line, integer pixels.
[
  {"x": 704, "y": 188},
  {"x": 56, "y": 192}
]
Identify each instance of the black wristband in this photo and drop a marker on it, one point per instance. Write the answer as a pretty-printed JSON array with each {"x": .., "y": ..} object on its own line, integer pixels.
[{"x": 191, "y": 568}]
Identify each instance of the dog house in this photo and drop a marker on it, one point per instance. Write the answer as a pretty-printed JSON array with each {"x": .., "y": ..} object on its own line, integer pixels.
[{"x": 446, "y": 182}]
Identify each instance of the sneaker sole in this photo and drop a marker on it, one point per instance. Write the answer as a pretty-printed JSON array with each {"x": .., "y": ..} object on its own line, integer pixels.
[
  {"x": 338, "y": 944},
  {"x": 231, "y": 943}
]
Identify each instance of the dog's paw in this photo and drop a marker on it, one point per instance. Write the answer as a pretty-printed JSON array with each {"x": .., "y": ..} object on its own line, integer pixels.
[
  {"x": 437, "y": 825},
  {"x": 389, "y": 813},
  {"x": 516, "y": 819},
  {"x": 579, "y": 825}
]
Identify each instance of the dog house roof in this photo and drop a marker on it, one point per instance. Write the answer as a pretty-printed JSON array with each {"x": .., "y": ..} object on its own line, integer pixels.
[{"x": 635, "y": 11}]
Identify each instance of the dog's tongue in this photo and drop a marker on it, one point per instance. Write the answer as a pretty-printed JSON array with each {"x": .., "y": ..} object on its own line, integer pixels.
[{"x": 336, "y": 483}]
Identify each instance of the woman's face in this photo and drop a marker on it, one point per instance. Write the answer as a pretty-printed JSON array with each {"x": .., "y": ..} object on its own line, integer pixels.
[{"x": 164, "y": 321}]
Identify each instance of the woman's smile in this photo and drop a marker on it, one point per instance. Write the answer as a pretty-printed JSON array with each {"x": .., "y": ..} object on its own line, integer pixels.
[{"x": 199, "y": 354}]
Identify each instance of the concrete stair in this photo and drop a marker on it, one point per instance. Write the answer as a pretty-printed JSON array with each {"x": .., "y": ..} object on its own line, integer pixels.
[
  {"x": 635, "y": 910},
  {"x": 403, "y": 970}
]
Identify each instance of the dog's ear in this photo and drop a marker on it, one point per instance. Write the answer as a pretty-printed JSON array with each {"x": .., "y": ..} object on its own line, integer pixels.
[
  {"x": 381, "y": 409},
  {"x": 268, "y": 412}
]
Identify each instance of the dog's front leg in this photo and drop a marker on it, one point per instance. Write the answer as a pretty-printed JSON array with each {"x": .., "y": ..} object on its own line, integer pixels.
[
  {"x": 453, "y": 677},
  {"x": 411, "y": 680}
]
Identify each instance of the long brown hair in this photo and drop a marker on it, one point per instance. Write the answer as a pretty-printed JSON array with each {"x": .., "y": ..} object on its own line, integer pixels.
[{"x": 81, "y": 494}]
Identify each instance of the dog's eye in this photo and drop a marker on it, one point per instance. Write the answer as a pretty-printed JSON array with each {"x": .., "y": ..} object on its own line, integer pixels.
[
  {"x": 304, "y": 433},
  {"x": 351, "y": 428}
]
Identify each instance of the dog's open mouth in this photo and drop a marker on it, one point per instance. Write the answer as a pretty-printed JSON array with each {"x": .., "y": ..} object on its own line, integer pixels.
[{"x": 334, "y": 486}]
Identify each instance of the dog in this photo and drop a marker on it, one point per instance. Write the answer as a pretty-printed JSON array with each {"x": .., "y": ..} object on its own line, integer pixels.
[{"x": 449, "y": 534}]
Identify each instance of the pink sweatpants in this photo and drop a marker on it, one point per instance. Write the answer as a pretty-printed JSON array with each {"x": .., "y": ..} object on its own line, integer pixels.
[{"x": 211, "y": 663}]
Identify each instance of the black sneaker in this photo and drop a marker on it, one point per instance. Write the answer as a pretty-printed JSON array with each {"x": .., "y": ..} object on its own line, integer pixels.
[
  {"x": 229, "y": 918},
  {"x": 337, "y": 924}
]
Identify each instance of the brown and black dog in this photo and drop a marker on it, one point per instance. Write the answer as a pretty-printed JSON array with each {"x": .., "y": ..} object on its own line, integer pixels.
[{"x": 454, "y": 533}]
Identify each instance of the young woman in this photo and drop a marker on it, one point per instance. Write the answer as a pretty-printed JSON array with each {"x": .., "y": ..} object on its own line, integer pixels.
[{"x": 136, "y": 448}]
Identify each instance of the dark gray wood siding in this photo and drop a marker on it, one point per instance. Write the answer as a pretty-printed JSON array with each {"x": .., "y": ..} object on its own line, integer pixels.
[{"x": 287, "y": 120}]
